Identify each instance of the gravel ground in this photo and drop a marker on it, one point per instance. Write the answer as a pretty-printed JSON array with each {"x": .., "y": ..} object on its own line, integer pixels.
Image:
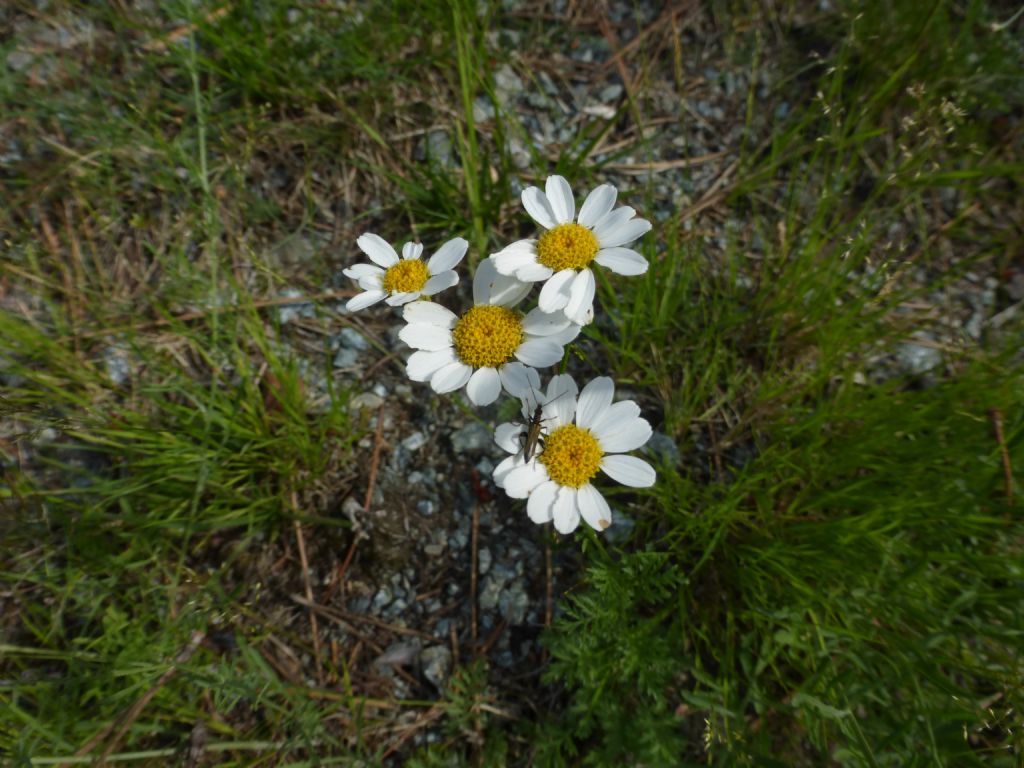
[{"x": 400, "y": 599}]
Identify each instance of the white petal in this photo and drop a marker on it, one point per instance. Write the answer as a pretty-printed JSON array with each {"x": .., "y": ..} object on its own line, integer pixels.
[
  {"x": 623, "y": 261},
  {"x": 372, "y": 282},
  {"x": 613, "y": 416},
  {"x": 429, "y": 313},
  {"x": 492, "y": 287},
  {"x": 624, "y": 233},
  {"x": 484, "y": 386},
  {"x": 423, "y": 365},
  {"x": 398, "y": 299},
  {"x": 540, "y": 353},
  {"x": 447, "y": 256},
  {"x": 628, "y": 470},
  {"x": 440, "y": 281},
  {"x": 593, "y": 507},
  {"x": 378, "y": 249},
  {"x": 560, "y": 198},
  {"x": 534, "y": 273},
  {"x": 541, "y": 501},
  {"x": 565, "y": 511},
  {"x": 567, "y": 334},
  {"x": 518, "y": 379},
  {"x": 560, "y": 400},
  {"x": 628, "y": 436},
  {"x": 507, "y": 436},
  {"x": 509, "y": 291},
  {"x": 450, "y": 377},
  {"x": 581, "y": 297},
  {"x": 424, "y": 336},
  {"x": 613, "y": 221},
  {"x": 555, "y": 293},
  {"x": 521, "y": 481},
  {"x": 504, "y": 467},
  {"x": 538, "y": 323},
  {"x": 536, "y": 204},
  {"x": 597, "y": 205},
  {"x": 357, "y": 271},
  {"x": 364, "y": 300},
  {"x": 515, "y": 256},
  {"x": 412, "y": 250},
  {"x": 594, "y": 400}
]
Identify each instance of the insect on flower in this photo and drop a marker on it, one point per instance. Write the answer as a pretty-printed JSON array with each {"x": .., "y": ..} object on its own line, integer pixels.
[
  {"x": 531, "y": 437},
  {"x": 590, "y": 433}
]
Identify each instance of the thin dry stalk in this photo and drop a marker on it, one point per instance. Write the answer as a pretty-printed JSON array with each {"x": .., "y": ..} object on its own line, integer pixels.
[
  {"x": 308, "y": 587},
  {"x": 997, "y": 425}
]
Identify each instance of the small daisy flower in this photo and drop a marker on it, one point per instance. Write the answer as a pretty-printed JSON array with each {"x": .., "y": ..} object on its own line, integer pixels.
[
  {"x": 581, "y": 437},
  {"x": 399, "y": 281},
  {"x": 490, "y": 346},
  {"x": 561, "y": 256}
]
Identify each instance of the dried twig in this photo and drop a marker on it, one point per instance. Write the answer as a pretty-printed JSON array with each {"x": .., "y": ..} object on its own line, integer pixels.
[
  {"x": 715, "y": 194},
  {"x": 669, "y": 16},
  {"x": 346, "y": 620},
  {"x": 427, "y": 718},
  {"x": 308, "y": 587},
  {"x": 665, "y": 165}
]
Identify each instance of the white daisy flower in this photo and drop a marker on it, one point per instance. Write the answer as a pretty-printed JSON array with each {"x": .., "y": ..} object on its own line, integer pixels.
[
  {"x": 399, "y": 281},
  {"x": 490, "y": 346},
  {"x": 561, "y": 256},
  {"x": 582, "y": 437}
]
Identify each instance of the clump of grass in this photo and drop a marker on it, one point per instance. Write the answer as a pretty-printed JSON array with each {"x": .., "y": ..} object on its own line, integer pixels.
[{"x": 830, "y": 573}]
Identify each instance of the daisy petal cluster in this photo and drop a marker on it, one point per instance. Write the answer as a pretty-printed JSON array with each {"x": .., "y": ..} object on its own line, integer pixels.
[
  {"x": 489, "y": 347},
  {"x": 567, "y": 437},
  {"x": 585, "y": 434},
  {"x": 398, "y": 281},
  {"x": 561, "y": 257}
]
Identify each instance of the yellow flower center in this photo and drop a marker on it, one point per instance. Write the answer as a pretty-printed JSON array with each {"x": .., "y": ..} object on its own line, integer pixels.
[
  {"x": 407, "y": 276},
  {"x": 487, "y": 336},
  {"x": 572, "y": 455},
  {"x": 567, "y": 246}
]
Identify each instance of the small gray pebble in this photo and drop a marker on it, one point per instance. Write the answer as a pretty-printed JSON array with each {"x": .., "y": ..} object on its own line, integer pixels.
[
  {"x": 490, "y": 593},
  {"x": 415, "y": 441},
  {"x": 514, "y": 602},
  {"x": 367, "y": 400},
  {"x": 437, "y": 665},
  {"x": 346, "y": 358},
  {"x": 917, "y": 359},
  {"x": 117, "y": 364},
  {"x": 472, "y": 438},
  {"x": 383, "y": 597},
  {"x": 353, "y": 339},
  {"x": 663, "y": 448}
]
